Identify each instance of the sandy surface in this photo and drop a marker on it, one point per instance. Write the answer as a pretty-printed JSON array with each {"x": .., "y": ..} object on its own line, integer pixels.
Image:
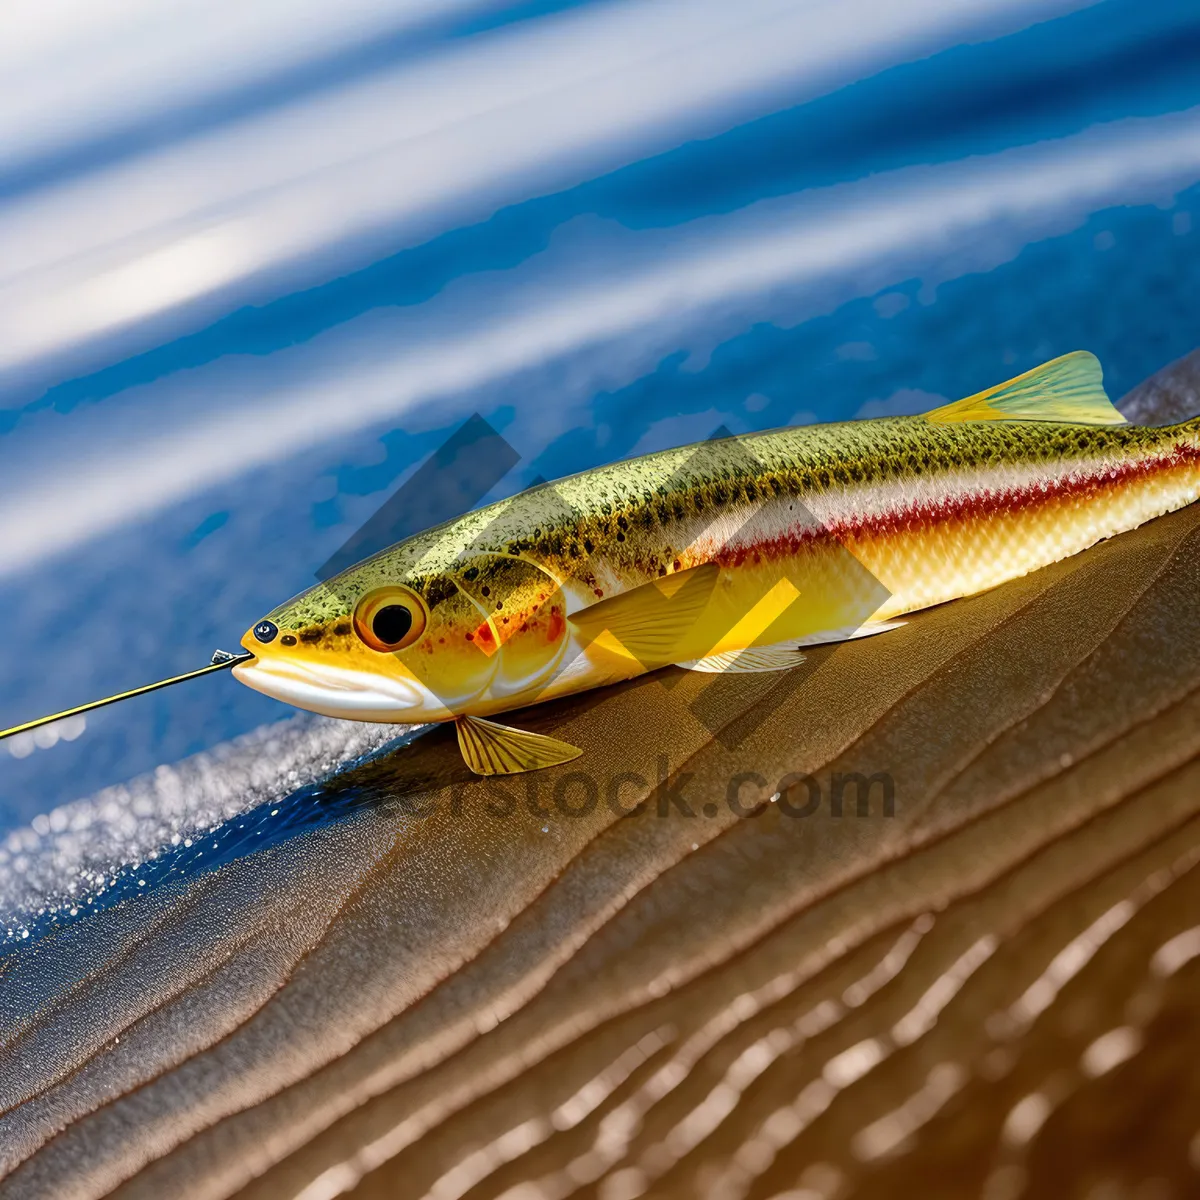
[{"x": 446, "y": 986}]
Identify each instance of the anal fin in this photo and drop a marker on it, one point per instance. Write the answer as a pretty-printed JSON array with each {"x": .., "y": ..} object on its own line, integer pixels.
[
  {"x": 752, "y": 660},
  {"x": 491, "y": 749},
  {"x": 848, "y": 633},
  {"x": 783, "y": 655}
]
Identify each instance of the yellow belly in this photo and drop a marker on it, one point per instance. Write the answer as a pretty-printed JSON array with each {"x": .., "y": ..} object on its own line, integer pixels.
[{"x": 873, "y": 575}]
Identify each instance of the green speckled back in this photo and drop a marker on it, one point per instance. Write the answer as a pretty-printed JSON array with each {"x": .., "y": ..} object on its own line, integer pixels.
[{"x": 631, "y": 513}]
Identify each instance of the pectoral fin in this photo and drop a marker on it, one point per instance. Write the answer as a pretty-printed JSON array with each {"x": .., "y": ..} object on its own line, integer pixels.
[
  {"x": 491, "y": 749},
  {"x": 650, "y": 621}
]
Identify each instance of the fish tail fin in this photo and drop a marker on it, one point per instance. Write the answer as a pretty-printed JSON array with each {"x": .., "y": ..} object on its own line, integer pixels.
[{"x": 1067, "y": 390}]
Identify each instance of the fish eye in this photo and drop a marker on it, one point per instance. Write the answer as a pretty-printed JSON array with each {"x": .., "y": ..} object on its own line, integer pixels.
[
  {"x": 389, "y": 618},
  {"x": 265, "y": 631}
]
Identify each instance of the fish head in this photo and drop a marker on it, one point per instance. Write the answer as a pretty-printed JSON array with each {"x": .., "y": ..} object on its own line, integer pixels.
[{"x": 380, "y": 642}]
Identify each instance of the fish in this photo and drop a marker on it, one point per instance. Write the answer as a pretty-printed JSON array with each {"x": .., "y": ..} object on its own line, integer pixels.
[{"x": 725, "y": 557}]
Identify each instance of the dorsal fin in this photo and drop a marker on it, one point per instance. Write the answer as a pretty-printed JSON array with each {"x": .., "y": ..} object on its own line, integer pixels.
[{"x": 1069, "y": 390}]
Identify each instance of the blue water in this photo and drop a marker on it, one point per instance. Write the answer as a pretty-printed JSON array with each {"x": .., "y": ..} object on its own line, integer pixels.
[{"x": 856, "y": 240}]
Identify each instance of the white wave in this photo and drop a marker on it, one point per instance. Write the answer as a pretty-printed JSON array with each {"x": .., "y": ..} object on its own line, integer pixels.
[
  {"x": 493, "y": 119},
  {"x": 853, "y": 239},
  {"x": 70, "y": 857},
  {"x": 73, "y": 71}
]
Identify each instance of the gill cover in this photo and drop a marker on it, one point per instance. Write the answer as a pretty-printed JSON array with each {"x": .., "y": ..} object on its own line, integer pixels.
[
  {"x": 522, "y": 628},
  {"x": 450, "y": 658}
]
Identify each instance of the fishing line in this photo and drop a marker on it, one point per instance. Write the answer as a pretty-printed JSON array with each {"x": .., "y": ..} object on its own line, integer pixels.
[{"x": 221, "y": 660}]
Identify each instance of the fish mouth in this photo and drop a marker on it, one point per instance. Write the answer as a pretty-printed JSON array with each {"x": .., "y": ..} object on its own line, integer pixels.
[{"x": 341, "y": 692}]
